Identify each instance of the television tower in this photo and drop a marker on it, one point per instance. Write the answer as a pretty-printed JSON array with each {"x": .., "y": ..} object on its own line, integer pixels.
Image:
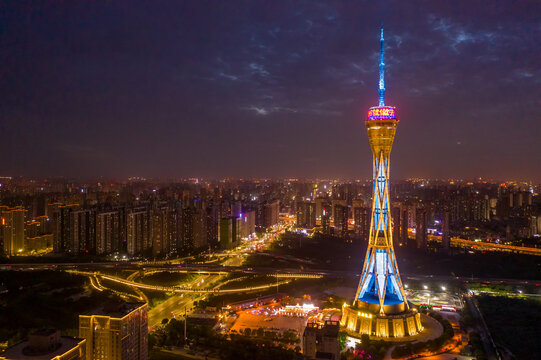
[{"x": 380, "y": 307}]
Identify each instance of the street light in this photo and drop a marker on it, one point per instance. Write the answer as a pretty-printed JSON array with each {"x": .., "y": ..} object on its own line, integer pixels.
[
  {"x": 425, "y": 287},
  {"x": 443, "y": 288}
]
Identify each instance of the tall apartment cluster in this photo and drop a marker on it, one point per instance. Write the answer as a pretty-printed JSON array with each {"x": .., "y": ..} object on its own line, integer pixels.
[
  {"x": 152, "y": 230},
  {"x": 420, "y": 208},
  {"x": 334, "y": 216},
  {"x": 148, "y": 228}
]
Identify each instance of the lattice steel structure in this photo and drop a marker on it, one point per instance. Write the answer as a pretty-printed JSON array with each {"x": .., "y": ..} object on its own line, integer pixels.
[{"x": 380, "y": 307}]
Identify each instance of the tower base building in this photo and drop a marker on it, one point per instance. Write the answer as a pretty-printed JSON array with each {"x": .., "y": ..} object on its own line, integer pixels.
[{"x": 358, "y": 321}]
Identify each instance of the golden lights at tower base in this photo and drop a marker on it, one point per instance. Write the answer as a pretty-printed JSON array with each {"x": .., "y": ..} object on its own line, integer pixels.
[{"x": 359, "y": 321}]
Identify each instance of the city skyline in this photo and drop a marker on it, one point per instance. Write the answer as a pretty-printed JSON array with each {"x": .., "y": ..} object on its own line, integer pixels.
[
  {"x": 185, "y": 90},
  {"x": 191, "y": 179}
]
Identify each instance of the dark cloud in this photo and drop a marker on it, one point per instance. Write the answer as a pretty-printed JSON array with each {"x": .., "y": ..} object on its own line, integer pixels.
[{"x": 267, "y": 88}]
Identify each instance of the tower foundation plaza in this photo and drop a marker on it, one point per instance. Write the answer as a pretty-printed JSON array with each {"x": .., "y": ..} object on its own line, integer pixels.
[{"x": 380, "y": 307}]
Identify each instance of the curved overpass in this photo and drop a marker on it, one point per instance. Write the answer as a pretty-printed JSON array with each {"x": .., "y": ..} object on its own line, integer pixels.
[{"x": 179, "y": 289}]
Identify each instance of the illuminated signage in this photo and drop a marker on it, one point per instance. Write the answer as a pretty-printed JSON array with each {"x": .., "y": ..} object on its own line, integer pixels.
[{"x": 382, "y": 113}]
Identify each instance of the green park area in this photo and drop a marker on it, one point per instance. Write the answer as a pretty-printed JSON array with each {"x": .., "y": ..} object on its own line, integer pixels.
[
  {"x": 167, "y": 278},
  {"x": 514, "y": 322},
  {"x": 61, "y": 297}
]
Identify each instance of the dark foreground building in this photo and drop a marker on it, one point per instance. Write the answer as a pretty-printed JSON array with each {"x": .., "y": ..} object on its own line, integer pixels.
[{"x": 321, "y": 342}]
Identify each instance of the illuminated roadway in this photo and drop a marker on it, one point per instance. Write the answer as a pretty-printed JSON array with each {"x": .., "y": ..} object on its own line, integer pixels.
[
  {"x": 212, "y": 273},
  {"x": 481, "y": 245}
]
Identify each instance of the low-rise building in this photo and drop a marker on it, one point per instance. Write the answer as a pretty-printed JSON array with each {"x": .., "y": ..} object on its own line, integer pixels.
[
  {"x": 47, "y": 344},
  {"x": 321, "y": 342}
]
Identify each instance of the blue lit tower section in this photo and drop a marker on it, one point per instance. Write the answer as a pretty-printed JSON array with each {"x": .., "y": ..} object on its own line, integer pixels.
[
  {"x": 380, "y": 307},
  {"x": 381, "y": 89}
]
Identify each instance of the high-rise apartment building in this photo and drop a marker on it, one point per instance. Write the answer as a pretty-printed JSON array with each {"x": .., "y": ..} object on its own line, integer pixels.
[
  {"x": 211, "y": 214},
  {"x": 340, "y": 220},
  {"x": 225, "y": 238},
  {"x": 160, "y": 231},
  {"x": 421, "y": 232},
  {"x": 61, "y": 226},
  {"x": 335, "y": 203},
  {"x": 306, "y": 214},
  {"x": 445, "y": 235},
  {"x": 116, "y": 331},
  {"x": 13, "y": 230},
  {"x": 107, "y": 232},
  {"x": 248, "y": 224},
  {"x": 138, "y": 231},
  {"x": 267, "y": 214},
  {"x": 361, "y": 219},
  {"x": 320, "y": 201},
  {"x": 395, "y": 215},
  {"x": 188, "y": 228},
  {"x": 326, "y": 211},
  {"x": 82, "y": 232},
  {"x": 404, "y": 236}
]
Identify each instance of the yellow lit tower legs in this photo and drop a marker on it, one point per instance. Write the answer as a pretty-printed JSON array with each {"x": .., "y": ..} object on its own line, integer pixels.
[{"x": 380, "y": 282}]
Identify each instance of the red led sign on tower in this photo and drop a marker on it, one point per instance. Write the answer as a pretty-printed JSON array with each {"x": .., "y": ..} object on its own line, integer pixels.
[{"x": 382, "y": 113}]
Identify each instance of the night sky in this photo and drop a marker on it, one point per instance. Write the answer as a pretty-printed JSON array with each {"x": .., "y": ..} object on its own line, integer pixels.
[{"x": 268, "y": 88}]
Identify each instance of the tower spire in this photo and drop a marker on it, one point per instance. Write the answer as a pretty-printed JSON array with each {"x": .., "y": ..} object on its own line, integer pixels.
[{"x": 381, "y": 90}]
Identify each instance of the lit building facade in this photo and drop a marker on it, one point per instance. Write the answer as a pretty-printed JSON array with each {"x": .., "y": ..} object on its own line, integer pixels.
[
  {"x": 340, "y": 220},
  {"x": 107, "y": 232},
  {"x": 380, "y": 307},
  {"x": 116, "y": 332},
  {"x": 306, "y": 214},
  {"x": 138, "y": 231},
  {"x": 13, "y": 230}
]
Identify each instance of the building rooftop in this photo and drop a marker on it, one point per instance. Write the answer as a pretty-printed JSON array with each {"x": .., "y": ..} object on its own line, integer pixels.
[
  {"x": 45, "y": 332},
  {"x": 115, "y": 309},
  {"x": 21, "y": 351},
  {"x": 331, "y": 329}
]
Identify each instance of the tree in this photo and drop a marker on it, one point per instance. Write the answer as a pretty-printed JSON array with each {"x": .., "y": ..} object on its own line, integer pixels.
[
  {"x": 342, "y": 335},
  {"x": 365, "y": 341}
]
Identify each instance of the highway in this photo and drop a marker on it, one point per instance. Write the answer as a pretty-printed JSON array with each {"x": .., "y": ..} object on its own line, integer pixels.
[
  {"x": 482, "y": 245},
  {"x": 175, "y": 305},
  {"x": 244, "y": 270}
]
